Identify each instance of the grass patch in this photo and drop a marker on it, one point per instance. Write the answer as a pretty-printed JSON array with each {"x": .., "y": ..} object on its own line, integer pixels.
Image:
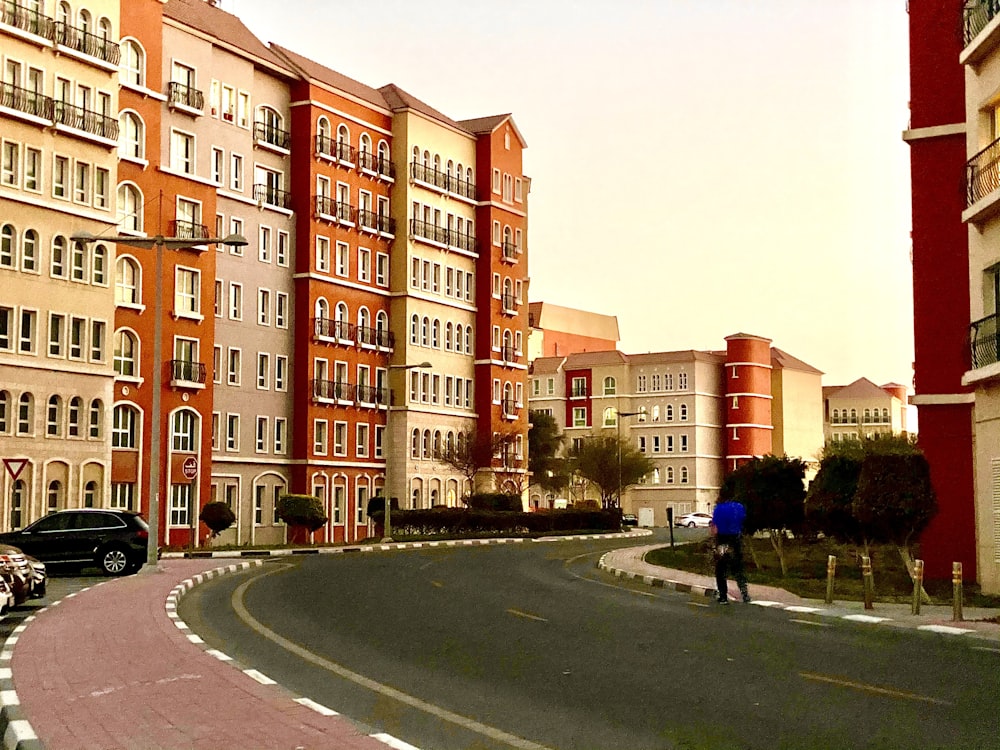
[{"x": 807, "y": 562}]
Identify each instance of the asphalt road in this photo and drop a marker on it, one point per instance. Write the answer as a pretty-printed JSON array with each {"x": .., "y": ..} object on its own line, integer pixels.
[{"x": 529, "y": 646}]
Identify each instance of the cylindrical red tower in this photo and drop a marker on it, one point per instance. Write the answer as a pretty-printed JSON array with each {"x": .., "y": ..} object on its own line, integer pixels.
[{"x": 748, "y": 398}]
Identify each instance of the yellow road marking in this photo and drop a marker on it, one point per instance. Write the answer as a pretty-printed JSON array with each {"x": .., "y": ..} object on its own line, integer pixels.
[
  {"x": 873, "y": 688},
  {"x": 519, "y": 613},
  {"x": 438, "y": 584}
]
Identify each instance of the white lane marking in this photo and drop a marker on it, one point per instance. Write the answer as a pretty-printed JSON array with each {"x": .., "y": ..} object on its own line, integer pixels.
[
  {"x": 866, "y": 618},
  {"x": 945, "y": 629},
  {"x": 803, "y": 610},
  {"x": 22, "y": 730},
  {"x": 519, "y": 613},
  {"x": 260, "y": 677},
  {"x": 811, "y": 622},
  {"x": 218, "y": 654},
  {"x": 317, "y": 707}
]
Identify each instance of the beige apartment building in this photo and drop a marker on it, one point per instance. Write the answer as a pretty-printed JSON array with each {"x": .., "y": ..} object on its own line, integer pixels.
[
  {"x": 863, "y": 410},
  {"x": 58, "y": 135}
]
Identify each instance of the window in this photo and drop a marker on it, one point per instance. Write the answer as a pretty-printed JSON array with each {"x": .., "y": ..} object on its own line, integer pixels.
[
  {"x": 280, "y": 372},
  {"x": 122, "y": 495},
  {"x": 180, "y": 504},
  {"x": 343, "y": 259},
  {"x": 11, "y": 163},
  {"x": 75, "y": 408},
  {"x": 183, "y": 428},
  {"x": 129, "y": 208},
  {"x": 610, "y": 417},
  {"x": 280, "y": 434},
  {"x": 78, "y": 262},
  {"x": 32, "y": 169},
  {"x": 579, "y": 416},
  {"x": 60, "y": 175},
  {"x": 236, "y": 172},
  {"x": 232, "y": 432},
  {"x": 684, "y": 443},
  {"x": 684, "y": 475},
  {"x": 684, "y": 412},
  {"x": 262, "y": 434},
  {"x": 322, "y": 254},
  {"x": 320, "y": 427},
  {"x": 218, "y": 160},
  {"x": 126, "y": 353},
  {"x": 281, "y": 253},
  {"x": 281, "y": 310},
  {"x": 682, "y": 381},
  {"x": 263, "y": 371},
  {"x": 235, "y": 301},
  {"x": 579, "y": 387},
  {"x": 641, "y": 384},
  {"x": 235, "y": 366},
  {"x": 53, "y": 417},
  {"x": 99, "y": 265},
  {"x": 182, "y": 151},
  {"x": 187, "y": 293},
  {"x": 127, "y": 290},
  {"x": 340, "y": 438},
  {"x": 26, "y": 336},
  {"x": 364, "y": 264},
  {"x": 263, "y": 307},
  {"x": 610, "y": 387},
  {"x": 132, "y": 66},
  {"x": 57, "y": 334},
  {"x": 131, "y": 136},
  {"x": 25, "y": 414}
]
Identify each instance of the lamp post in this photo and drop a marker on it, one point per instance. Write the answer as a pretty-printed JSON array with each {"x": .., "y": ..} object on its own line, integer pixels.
[
  {"x": 160, "y": 243},
  {"x": 618, "y": 421},
  {"x": 387, "y": 444}
]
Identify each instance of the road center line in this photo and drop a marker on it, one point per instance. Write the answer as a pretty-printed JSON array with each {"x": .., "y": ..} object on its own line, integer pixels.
[
  {"x": 873, "y": 688},
  {"x": 442, "y": 713},
  {"x": 519, "y": 613},
  {"x": 809, "y": 622}
]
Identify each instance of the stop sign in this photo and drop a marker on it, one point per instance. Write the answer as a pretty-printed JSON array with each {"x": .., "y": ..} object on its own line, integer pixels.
[{"x": 190, "y": 467}]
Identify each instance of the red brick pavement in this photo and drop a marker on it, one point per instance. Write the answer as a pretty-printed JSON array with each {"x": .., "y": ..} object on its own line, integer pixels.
[{"x": 109, "y": 669}]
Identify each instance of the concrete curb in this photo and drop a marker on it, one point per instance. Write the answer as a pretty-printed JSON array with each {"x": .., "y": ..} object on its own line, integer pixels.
[{"x": 656, "y": 581}]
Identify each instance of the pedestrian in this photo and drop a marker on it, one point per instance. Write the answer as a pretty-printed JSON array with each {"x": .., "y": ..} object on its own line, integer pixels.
[{"x": 727, "y": 526}]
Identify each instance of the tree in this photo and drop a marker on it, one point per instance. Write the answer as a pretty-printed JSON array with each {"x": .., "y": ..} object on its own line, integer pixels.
[
  {"x": 303, "y": 513},
  {"x": 217, "y": 517},
  {"x": 611, "y": 464},
  {"x": 772, "y": 489},
  {"x": 548, "y": 469},
  {"x": 473, "y": 452},
  {"x": 830, "y": 497}
]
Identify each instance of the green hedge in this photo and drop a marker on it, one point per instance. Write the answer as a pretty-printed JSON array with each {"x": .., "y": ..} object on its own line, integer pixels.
[{"x": 443, "y": 521}]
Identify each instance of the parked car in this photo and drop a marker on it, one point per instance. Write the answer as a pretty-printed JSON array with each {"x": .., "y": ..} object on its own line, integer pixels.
[
  {"x": 41, "y": 576},
  {"x": 691, "y": 520},
  {"x": 630, "y": 519},
  {"x": 17, "y": 573},
  {"x": 6, "y": 596},
  {"x": 113, "y": 540}
]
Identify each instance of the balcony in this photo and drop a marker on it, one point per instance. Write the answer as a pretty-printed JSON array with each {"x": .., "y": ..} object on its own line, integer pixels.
[
  {"x": 26, "y": 19},
  {"x": 509, "y": 302},
  {"x": 271, "y": 135},
  {"x": 86, "y": 43},
  {"x": 372, "y": 394},
  {"x": 265, "y": 195},
  {"x": 579, "y": 392},
  {"x": 185, "y": 97},
  {"x": 332, "y": 390},
  {"x": 189, "y": 230},
  {"x": 377, "y": 164},
  {"x": 509, "y": 407},
  {"x": 449, "y": 183},
  {"x": 509, "y": 353},
  {"x": 331, "y": 210},
  {"x": 509, "y": 251},
  {"x": 85, "y": 121},
  {"x": 368, "y": 219},
  {"x": 26, "y": 101},
  {"x": 328, "y": 328},
  {"x": 185, "y": 373},
  {"x": 435, "y": 233},
  {"x": 983, "y": 335},
  {"x": 976, "y": 16},
  {"x": 331, "y": 149}
]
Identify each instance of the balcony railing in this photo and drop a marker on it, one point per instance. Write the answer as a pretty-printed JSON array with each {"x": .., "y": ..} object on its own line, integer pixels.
[
  {"x": 334, "y": 329},
  {"x": 374, "y": 163},
  {"x": 85, "y": 120},
  {"x": 976, "y": 15},
  {"x": 579, "y": 392},
  {"x": 984, "y": 341},
  {"x": 509, "y": 407},
  {"x": 25, "y": 100},
  {"x": 437, "y": 178},
  {"x": 25, "y": 19},
  {"x": 443, "y": 235},
  {"x": 272, "y": 135},
  {"x": 188, "y": 230},
  {"x": 186, "y": 96},
  {"x": 509, "y": 250},
  {"x": 509, "y": 302},
  {"x": 340, "y": 210},
  {"x": 376, "y": 222},
  {"x": 372, "y": 394},
  {"x": 188, "y": 372},
  {"x": 982, "y": 173},
  {"x": 509, "y": 353},
  {"x": 86, "y": 43},
  {"x": 333, "y": 390},
  {"x": 326, "y": 146},
  {"x": 272, "y": 196}
]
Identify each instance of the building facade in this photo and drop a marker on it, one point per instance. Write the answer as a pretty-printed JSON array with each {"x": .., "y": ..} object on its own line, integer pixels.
[{"x": 863, "y": 410}]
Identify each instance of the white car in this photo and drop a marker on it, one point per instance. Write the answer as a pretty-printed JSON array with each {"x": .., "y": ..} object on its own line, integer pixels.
[{"x": 692, "y": 520}]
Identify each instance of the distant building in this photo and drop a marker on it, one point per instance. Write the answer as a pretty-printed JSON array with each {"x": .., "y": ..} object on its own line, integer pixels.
[
  {"x": 699, "y": 414},
  {"x": 863, "y": 410},
  {"x": 556, "y": 331}
]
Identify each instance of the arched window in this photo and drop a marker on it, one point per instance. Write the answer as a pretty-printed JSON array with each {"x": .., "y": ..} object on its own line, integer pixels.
[
  {"x": 425, "y": 325},
  {"x": 684, "y": 412},
  {"x": 468, "y": 339},
  {"x": 53, "y": 417},
  {"x": 126, "y": 354},
  {"x": 75, "y": 407},
  {"x": 868, "y": 416},
  {"x": 415, "y": 330},
  {"x": 425, "y": 446},
  {"x": 124, "y": 429},
  {"x": 610, "y": 386},
  {"x": 437, "y": 443},
  {"x": 29, "y": 251},
  {"x": 323, "y": 127},
  {"x": 184, "y": 430},
  {"x": 25, "y": 414},
  {"x": 96, "y": 419},
  {"x": 90, "y": 494},
  {"x": 610, "y": 417},
  {"x": 416, "y": 154},
  {"x": 270, "y": 130},
  {"x": 656, "y": 412},
  {"x": 468, "y": 175},
  {"x": 885, "y": 416},
  {"x": 382, "y": 327},
  {"x": 127, "y": 281},
  {"x": 8, "y": 244},
  {"x": 436, "y": 334},
  {"x": 365, "y": 320},
  {"x": 132, "y": 67},
  {"x": 5, "y": 407},
  {"x": 684, "y": 475},
  {"x": 78, "y": 262},
  {"x": 854, "y": 416},
  {"x": 670, "y": 475},
  {"x": 836, "y": 416},
  {"x": 415, "y": 444},
  {"x": 656, "y": 476},
  {"x": 343, "y": 142},
  {"x": 669, "y": 412},
  {"x": 54, "y": 499},
  {"x": 98, "y": 269},
  {"x": 322, "y": 309},
  {"x": 83, "y": 21},
  {"x": 447, "y": 336},
  {"x": 383, "y": 155},
  {"x": 427, "y": 159},
  {"x": 437, "y": 162},
  {"x": 131, "y": 136},
  {"x": 57, "y": 268},
  {"x": 129, "y": 208},
  {"x": 365, "y": 143}
]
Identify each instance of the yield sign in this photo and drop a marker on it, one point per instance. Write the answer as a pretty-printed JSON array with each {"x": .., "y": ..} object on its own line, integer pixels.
[{"x": 15, "y": 466}]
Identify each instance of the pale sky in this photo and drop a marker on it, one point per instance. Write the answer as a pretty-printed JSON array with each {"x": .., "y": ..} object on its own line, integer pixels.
[{"x": 699, "y": 168}]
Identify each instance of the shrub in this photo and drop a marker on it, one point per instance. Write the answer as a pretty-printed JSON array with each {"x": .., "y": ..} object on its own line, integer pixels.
[
  {"x": 301, "y": 510},
  {"x": 499, "y": 501},
  {"x": 217, "y": 517}
]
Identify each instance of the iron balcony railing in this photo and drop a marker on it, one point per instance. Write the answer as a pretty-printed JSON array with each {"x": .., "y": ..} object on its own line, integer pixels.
[
  {"x": 186, "y": 96},
  {"x": 372, "y": 394},
  {"x": 85, "y": 120},
  {"x": 509, "y": 250},
  {"x": 579, "y": 391},
  {"x": 374, "y": 337},
  {"x": 272, "y": 196},
  {"x": 509, "y": 302},
  {"x": 378, "y": 222},
  {"x": 976, "y": 14},
  {"x": 14, "y": 14},
  {"x": 340, "y": 210},
  {"x": 86, "y": 43},
  {"x": 272, "y": 135},
  {"x": 334, "y": 329},
  {"x": 437, "y": 178},
  {"x": 509, "y": 353},
  {"x": 984, "y": 341},
  {"x": 333, "y": 390},
  {"x": 327, "y": 146},
  {"x": 25, "y": 100},
  {"x": 188, "y": 230},
  {"x": 375, "y": 163},
  {"x": 982, "y": 173},
  {"x": 443, "y": 235},
  {"x": 189, "y": 372},
  {"x": 509, "y": 407}
]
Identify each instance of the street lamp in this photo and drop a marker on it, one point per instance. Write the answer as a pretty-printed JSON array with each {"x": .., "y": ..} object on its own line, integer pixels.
[
  {"x": 156, "y": 468},
  {"x": 618, "y": 422},
  {"x": 386, "y": 445}
]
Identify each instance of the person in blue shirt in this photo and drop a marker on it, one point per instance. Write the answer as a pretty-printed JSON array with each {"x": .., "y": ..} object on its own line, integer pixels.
[{"x": 727, "y": 526}]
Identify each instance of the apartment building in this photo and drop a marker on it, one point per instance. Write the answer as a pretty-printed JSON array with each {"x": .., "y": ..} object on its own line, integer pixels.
[
  {"x": 863, "y": 410},
  {"x": 953, "y": 132},
  {"x": 58, "y": 135},
  {"x": 695, "y": 414},
  {"x": 554, "y": 330}
]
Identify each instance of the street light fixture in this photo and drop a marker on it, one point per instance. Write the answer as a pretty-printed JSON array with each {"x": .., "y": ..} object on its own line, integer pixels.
[
  {"x": 618, "y": 421},
  {"x": 387, "y": 444},
  {"x": 156, "y": 468}
]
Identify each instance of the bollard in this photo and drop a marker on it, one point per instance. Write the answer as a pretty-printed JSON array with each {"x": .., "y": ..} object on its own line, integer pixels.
[
  {"x": 956, "y": 584},
  {"x": 866, "y": 574},
  {"x": 831, "y": 571},
  {"x": 918, "y": 585}
]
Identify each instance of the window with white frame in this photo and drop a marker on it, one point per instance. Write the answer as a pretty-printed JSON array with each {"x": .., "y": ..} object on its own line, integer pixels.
[
  {"x": 280, "y": 372},
  {"x": 232, "y": 432},
  {"x": 235, "y": 301},
  {"x": 263, "y": 307},
  {"x": 323, "y": 254},
  {"x": 280, "y": 434},
  {"x": 182, "y": 151},
  {"x": 235, "y": 366},
  {"x": 263, "y": 371},
  {"x": 281, "y": 252},
  {"x": 281, "y": 309},
  {"x": 343, "y": 259},
  {"x": 187, "y": 292},
  {"x": 262, "y": 433},
  {"x": 320, "y": 427}
]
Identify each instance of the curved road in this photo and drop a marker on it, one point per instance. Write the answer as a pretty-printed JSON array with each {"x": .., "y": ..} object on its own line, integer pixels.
[{"x": 528, "y": 645}]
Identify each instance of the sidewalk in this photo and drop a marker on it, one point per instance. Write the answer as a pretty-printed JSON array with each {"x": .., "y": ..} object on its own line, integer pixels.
[{"x": 630, "y": 563}]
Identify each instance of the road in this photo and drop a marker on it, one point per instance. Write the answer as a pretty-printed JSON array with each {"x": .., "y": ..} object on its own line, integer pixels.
[{"x": 529, "y": 646}]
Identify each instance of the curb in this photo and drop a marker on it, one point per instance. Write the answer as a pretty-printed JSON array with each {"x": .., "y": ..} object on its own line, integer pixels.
[{"x": 655, "y": 581}]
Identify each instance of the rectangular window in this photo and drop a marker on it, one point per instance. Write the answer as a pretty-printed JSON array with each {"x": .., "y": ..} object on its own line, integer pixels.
[
  {"x": 684, "y": 443},
  {"x": 263, "y": 307},
  {"x": 281, "y": 310},
  {"x": 322, "y": 255},
  {"x": 343, "y": 259},
  {"x": 218, "y": 155},
  {"x": 363, "y": 431},
  {"x": 76, "y": 335},
  {"x": 379, "y": 438},
  {"x": 220, "y": 297},
  {"x": 182, "y": 151},
  {"x": 180, "y": 504},
  {"x": 60, "y": 174},
  {"x": 187, "y": 292},
  {"x": 216, "y": 430},
  {"x": 236, "y": 172},
  {"x": 280, "y": 434},
  {"x": 97, "y": 336},
  {"x": 236, "y": 227},
  {"x": 670, "y": 443},
  {"x": 262, "y": 434},
  {"x": 364, "y": 264},
  {"x": 264, "y": 247},
  {"x": 235, "y": 366},
  {"x": 656, "y": 443},
  {"x": 217, "y": 364},
  {"x": 280, "y": 372},
  {"x": 263, "y": 371},
  {"x": 102, "y": 179},
  {"x": 258, "y": 505},
  {"x": 26, "y": 336},
  {"x": 57, "y": 335},
  {"x": 281, "y": 253},
  {"x": 579, "y": 416},
  {"x": 340, "y": 438},
  {"x": 232, "y": 432},
  {"x": 235, "y": 301},
  {"x": 319, "y": 437},
  {"x": 11, "y": 164}
]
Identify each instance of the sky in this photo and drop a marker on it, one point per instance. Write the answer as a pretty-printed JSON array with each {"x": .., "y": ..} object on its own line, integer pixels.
[{"x": 698, "y": 168}]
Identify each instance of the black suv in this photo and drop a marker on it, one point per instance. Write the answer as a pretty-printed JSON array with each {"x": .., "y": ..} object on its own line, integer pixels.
[{"x": 113, "y": 540}]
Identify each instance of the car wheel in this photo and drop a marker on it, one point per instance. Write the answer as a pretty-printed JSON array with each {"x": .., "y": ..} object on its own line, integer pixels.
[
  {"x": 691, "y": 524},
  {"x": 113, "y": 561}
]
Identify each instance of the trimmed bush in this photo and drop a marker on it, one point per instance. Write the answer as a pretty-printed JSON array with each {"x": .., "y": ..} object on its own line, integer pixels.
[
  {"x": 217, "y": 517},
  {"x": 301, "y": 510},
  {"x": 497, "y": 501},
  {"x": 470, "y": 521}
]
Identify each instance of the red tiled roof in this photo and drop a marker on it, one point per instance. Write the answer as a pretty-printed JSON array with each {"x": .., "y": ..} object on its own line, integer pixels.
[
  {"x": 221, "y": 25},
  {"x": 316, "y": 72}
]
